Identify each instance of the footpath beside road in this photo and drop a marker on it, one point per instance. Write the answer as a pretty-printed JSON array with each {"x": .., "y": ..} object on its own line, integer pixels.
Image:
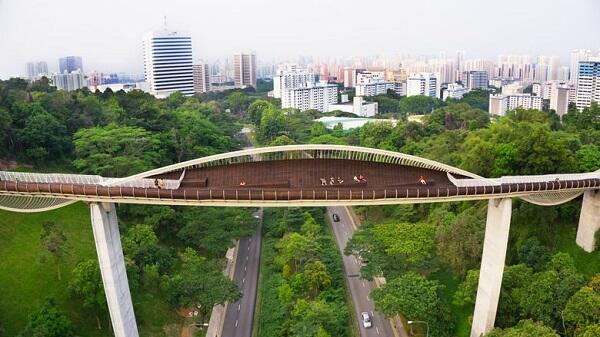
[
  {"x": 359, "y": 288},
  {"x": 215, "y": 324}
]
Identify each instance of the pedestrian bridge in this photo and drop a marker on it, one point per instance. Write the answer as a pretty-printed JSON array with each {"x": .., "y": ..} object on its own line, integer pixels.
[
  {"x": 301, "y": 175},
  {"x": 296, "y": 175}
]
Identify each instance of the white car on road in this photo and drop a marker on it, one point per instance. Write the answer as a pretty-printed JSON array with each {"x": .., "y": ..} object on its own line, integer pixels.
[{"x": 366, "y": 319}]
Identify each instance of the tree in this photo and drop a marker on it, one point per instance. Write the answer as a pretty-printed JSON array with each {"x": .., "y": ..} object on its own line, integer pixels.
[
  {"x": 459, "y": 245},
  {"x": 317, "y": 276},
  {"x": 193, "y": 136},
  {"x": 238, "y": 101},
  {"x": 549, "y": 291},
  {"x": 282, "y": 140},
  {"x": 416, "y": 298},
  {"x": 583, "y": 308},
  {"x": 533, "y": 254},
  {"x": 272, "y": 123},
  {"x": 200, "y": 282},
  {"x": 86, "y": 284},
  {"x": 590, "y": 331},
  {"x": 526, "y": 328},
  {"x": 48, "y": 322},
  {"x": 256, "y": 109},
  {"x": 409, "y": 244},
  {"x": 296, "y": 249},
  {"x": 588, "y": 158},
  {"x": 310, "y": 318},
  {"x": 116, "y": 151},
  {"x": 43, "y": 137},
  {"x": 53, "y": 240},
  {"x": 141, "y": 245},
  {"x": 216, "y": 229},
  {"x": 418, "y": 104}
]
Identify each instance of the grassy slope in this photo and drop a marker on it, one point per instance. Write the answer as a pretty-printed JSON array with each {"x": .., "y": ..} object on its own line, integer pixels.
[{"x": 25, "y": 281}]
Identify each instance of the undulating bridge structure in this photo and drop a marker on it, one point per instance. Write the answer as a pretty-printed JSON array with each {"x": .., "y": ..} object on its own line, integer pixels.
[{"x": 301, "y": 175}]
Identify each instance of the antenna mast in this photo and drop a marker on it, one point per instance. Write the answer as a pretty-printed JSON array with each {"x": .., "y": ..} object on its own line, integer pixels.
[{"x": 165, "y": 18}]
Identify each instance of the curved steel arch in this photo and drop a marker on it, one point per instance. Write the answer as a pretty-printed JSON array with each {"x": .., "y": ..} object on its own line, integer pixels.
[{"x": 312, "y": 151}]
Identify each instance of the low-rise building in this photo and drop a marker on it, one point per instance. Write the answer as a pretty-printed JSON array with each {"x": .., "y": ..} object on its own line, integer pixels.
[
  {"x": 454, "y": 90},
  {"x": 501, "y": 103},
  {"x": 358, "y": 107}
]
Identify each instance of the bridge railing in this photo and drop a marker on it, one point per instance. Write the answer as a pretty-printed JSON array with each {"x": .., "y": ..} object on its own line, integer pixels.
[{"x": 83, "y": 191}]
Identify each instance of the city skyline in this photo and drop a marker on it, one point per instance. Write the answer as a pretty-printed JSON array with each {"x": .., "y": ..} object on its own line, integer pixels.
[{"x": 113, "y": 43}]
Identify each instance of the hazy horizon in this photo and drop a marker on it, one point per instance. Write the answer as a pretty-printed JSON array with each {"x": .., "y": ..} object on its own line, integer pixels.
[{"x": 108, "y": 34}]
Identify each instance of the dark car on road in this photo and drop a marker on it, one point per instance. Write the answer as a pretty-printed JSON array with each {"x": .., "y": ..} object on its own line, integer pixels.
[{"x": 336, "y": 218}]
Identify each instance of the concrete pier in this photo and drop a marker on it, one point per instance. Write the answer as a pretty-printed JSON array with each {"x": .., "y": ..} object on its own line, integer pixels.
[
  {"x": 589, "y": 220},
  {"x": 492, "y": 265},
  {"x": 112, "y": 268}
]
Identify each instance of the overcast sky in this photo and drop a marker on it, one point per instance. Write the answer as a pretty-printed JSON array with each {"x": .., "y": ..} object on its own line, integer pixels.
[{"x": 107, "y": 33}]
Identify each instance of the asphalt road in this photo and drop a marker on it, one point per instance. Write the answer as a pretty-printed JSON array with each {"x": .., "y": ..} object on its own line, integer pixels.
[
  {"x": 359, "y": 288},
  {"x": 240, "y": 314}
]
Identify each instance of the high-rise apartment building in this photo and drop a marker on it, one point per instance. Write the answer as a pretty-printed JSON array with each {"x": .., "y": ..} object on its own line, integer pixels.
[
  {"x": 36, "y": 70},
  {"x": 372, "y": 84},
  {"x": 424, "y": 84},
  {"x": 201, "y": 77},
  {"x": 588, "y": 83},
  {"x": 317, "y": 97},
  {"x": 69, "y": 81},
  {"x": 69, "y": 64},
  {"x": 475, "y": 79},
  {"x": 168, "y": 63},
  {"x": 291, "y": 78},
  {"x": 244, "y": 70},
  {"x": 577, "y": 56}
]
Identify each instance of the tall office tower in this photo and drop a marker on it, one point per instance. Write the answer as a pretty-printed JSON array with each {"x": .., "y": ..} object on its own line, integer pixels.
[
  {"x": 290, "y": 77},
  {"x": 201, "y": 77},
  {"x": 588, "y": 83},
  {"x": 577, "y": 56},
  {"x": 244, "y": 70},
  {"x": 475, "y": 79},
  {"x": 424, "y": 84},
  {"x": 69, "y": 81},
  {"x": 36, "y": 70},
  {"x": 69, "y": 64},
  {"x": 168, "y": 63}
]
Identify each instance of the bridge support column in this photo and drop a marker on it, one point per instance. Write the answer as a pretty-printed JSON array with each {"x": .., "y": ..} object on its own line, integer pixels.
[
  {"x": 492, "y": 265},
  {"x": 112, "y": 268},
  {"x": 589, "y": 220}
]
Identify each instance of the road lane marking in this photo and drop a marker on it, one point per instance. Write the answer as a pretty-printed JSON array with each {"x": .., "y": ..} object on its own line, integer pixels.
[
  {"x": 245, "y": 267},
  {"x": 363, "y": 283},
  {"x": 243, "y": 280},
  {"x": 246, "y": 258},
  {"x": 372, "y": 313},
  {"x": 248, "y": 247},
  {"x": 377, "y": 329},
  {"x": 236, "y": 323},
  {"x": 239, "y": 307}
]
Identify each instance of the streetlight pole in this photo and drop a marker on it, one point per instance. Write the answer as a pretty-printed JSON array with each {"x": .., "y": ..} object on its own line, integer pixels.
[
  {"x": 197, "y": 325},
  {"x": 413, "y": 322}
]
